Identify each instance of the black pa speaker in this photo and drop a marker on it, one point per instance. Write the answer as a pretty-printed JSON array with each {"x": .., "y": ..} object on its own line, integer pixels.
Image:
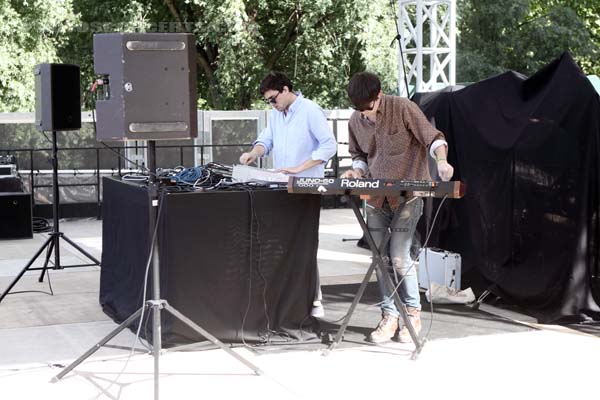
[
  {"x": 15, "y": 216},
  {"x": 148, "y": 89},
  {"x": 57, "y": 97}
]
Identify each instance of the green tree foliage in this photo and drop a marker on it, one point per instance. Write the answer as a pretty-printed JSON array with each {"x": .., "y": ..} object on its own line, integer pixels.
[
  {"x": 316, "y": 42},
  {"x": 523, "y": 35},
  {"x": 30, "y": 32},
  {"x": 378, "y": 53},
  {"x": 319, "y": 43},
  {"x": 94, "y": 16},
  {"x": 588, "y": 11}
]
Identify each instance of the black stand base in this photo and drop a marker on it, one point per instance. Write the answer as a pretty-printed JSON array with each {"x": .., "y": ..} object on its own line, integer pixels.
[
  {"x": 51, "y": 245},
  {"x": 377, "y": 263},
  {"x": 53, "y": 242},
  {"x": 477, "y": 303},
  {"x": 156, "y": 307},
  {"x": 157, "y": 304}
]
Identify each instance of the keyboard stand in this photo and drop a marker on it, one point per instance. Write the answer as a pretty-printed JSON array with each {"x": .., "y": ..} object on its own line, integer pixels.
[{"x": 377, "y": 263}]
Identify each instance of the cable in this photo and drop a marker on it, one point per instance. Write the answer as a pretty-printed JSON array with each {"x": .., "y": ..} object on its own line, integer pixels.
[
  {"x": 135, "y": 178},
  {"x": 254, "y": 217},
  {"x": 47, "y": 138},
  {"x": 399, "y": 39},
  {"x": 258, "y": 268},
  {"x": 249, "y": 276},
  {"x": 255, "y": 237},
  {"x": 426, "y": 336},
  {"x": 191, "y": 176},
  {"x": 145, "y": 287},
  {"x": 142, "y": 167},
  {"x": 92, "y": 90},
  {"x": 41, "y": 225}
]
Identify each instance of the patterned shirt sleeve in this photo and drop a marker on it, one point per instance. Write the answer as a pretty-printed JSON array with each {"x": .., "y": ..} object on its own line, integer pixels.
[
  {"x": 357, "y": 154},
  {"x": 418, "y": 125}
]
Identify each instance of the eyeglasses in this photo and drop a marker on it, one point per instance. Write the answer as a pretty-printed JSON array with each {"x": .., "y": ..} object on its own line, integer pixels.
[
  {"x": 362, "y": 109},
  {"x": 370, "y": 107},
  {"x": 272, "y": 99}
]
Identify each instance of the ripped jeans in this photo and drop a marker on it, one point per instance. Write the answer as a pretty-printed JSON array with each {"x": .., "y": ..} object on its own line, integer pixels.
[{"x": 398, "y": 251}]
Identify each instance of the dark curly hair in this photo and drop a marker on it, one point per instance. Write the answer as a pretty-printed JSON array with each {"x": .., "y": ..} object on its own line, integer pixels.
[
  {"x": 363, "y": 88},
  {"x": 275, "y": 81}
]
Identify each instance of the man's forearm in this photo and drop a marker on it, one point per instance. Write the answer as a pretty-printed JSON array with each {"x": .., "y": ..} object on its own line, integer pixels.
[
  {"x": 309, "y": 164},
  {"x": 441, "y": 153},
  {"x": 445, "y": 170},
  {"x": 302, "y": 167}
]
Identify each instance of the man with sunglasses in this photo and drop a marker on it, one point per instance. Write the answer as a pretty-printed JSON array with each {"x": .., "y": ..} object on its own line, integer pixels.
[
  {"x": 390, "y": 138},
  {"x": 299, "y": 137},
  {"x": 297, "y": 132}
]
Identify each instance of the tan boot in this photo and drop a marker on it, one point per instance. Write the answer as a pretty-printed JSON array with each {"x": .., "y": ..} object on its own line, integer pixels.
[
  {"x": 386, "y": 329},
  {"x": 414, "y": 315}
]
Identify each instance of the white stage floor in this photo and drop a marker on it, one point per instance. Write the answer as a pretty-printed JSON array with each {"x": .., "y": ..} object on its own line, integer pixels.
[{"x": 40, "y": 333}]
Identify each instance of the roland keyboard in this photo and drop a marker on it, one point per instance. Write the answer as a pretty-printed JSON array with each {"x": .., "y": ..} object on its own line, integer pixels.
[{"x": 376, "y": 187}]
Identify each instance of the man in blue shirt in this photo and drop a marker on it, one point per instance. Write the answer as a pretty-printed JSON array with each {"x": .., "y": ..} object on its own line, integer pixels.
[
  {"x": 298, "y": 135},
  {"x": 297, "y": 132}
]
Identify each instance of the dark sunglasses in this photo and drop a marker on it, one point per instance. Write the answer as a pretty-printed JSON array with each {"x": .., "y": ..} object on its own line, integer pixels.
[
  {"x": 362, "y": 108},
  {"x": 272, "y": 99}
]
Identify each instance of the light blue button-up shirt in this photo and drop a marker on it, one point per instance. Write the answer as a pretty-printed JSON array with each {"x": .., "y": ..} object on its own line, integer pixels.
[{"x": 300, "y": 134}]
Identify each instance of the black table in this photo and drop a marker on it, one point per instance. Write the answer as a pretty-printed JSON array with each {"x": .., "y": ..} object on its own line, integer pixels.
[{"x": 206, "y": 241}]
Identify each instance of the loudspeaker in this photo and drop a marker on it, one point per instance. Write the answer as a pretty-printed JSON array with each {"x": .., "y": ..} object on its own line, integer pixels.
[
  {"x": 11, "y": 184},
  {"x": 147, "y": 86},
  {"x": 57, "y": 97},
  {"x": 15, "y": 216}
]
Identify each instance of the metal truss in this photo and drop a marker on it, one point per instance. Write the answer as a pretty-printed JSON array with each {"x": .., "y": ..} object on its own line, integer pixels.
[{"x": 428, "y": 64}]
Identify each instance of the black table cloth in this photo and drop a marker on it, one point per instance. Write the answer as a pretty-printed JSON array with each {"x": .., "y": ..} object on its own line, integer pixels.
[{"x": 206, "y": 243}]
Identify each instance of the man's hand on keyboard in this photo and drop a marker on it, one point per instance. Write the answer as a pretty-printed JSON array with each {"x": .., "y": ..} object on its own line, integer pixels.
[
  {"x": 247, "y": 158},
  {"x": 353, "y": 174}
]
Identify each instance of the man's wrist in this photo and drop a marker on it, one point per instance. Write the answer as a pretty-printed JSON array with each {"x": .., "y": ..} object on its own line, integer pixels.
[{"x": 259, "y": 150}]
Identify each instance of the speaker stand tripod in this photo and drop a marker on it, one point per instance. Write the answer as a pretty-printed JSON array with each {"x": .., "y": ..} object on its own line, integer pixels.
[
  {"x": 156, "y": 304},
  {"x": 52, "y": 244}
]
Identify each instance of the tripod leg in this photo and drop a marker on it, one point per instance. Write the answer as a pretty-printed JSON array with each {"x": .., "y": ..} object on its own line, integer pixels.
[
  {"x": 357, "y": 297},
  {"x": 101, "y": 343},
  {"x": 156, "y": 344},
  {"x": 48, "y": 254},
  {"x": 477, "y": 303},
  {"x": 211, "y": 338},
  {"x": 77, "y": 247},
  {"x": 14, "y": 282}
]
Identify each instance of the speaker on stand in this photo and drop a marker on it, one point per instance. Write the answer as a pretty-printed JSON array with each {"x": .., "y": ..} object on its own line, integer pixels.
[
  {"x": 57, "y": 107},
  {"x": 148, "y": 93}
]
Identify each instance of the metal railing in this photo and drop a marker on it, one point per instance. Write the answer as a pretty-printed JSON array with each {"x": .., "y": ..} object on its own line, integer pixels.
[
  {"x": 120, "y": 169},
  {"x": 122, "y": 165}
]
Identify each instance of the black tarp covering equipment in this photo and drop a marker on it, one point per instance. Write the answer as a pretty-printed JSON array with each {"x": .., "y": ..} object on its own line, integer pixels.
[{"x": 528, "y": 149}]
